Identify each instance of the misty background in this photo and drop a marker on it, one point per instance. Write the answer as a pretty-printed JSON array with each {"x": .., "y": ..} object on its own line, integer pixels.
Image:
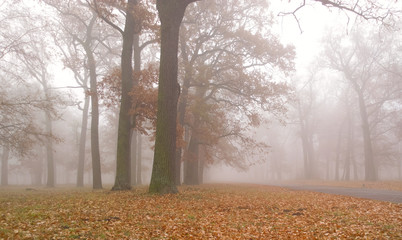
[{"x": 312, "y": 95}]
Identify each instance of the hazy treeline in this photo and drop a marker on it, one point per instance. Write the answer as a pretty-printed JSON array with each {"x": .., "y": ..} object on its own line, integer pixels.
[{"x": 79, "y": 96}]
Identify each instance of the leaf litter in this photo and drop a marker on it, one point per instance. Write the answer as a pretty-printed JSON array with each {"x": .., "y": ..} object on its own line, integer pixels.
[{"x": 204, "y": 212}]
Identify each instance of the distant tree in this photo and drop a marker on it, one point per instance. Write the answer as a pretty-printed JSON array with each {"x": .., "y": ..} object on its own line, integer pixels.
[
  {"x": 360, "y": 60},
  {"x": 81, "y": 15},
  {"x": 226, "y": 85},
  {"x": 23, "y": 65},
  {"x": 380, "y": 12}
]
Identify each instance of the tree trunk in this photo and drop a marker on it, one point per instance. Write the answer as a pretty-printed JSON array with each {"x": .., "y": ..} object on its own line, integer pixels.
[
  {"x": 304, "y": 139},
  {"x": 370, "y": 169},
  {"x": 191, "y": 176},
  {"x": 96, "y": 165},
  {"x": 311, "y": 153},
  {"x": 139, "y": 160},
  {"x": 338, "y": 153},
  {"x": 171, "y": 13},
  {"x": 83, "y": 137},
  {"x": 201, "y": 164},
  {"x": 350, "y": 146},
  {"x": 4, "y": 166},
  {"x": 123, "y": 160},
  {"x": 49, "y": 151},
  {"x": 49, "y": 131},
  {"x": 182, "y": 103},
  {"x": 134, "y": 158}
]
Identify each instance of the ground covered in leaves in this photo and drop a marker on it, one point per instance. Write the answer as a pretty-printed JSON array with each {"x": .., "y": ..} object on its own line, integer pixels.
[{"x": 204, "y": 212}]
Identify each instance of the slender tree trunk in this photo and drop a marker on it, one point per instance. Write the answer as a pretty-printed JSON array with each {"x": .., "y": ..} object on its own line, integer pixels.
[
  {"x": 355, "y": 175},
  {"x": 136, "y": 135},
  {"x": 304, "y": 140},
  {"x": 191, "y": 176},
  {"x": 338, "y": 154},
  {"x": 182, "y": 102},
  {"x": 370, "y": 169},
  {"x": 83, "y": 137},
  {"x": 171, "y": 13},
  {"x": 123, "y": 160},
  {"x": 49, "y": 152},
  {"x": 350, "y": 146},
  {"x": 134, "y": 158},
  {"x": 96, "y": 165},
  {"x": 49, "y": 131},
  {"x": 369, "y": 166},
  {"x": 399, "y": 168},
  {"x": 201, "y": 164},
  {"x": 311, "y": 153},
  {"x": 139, "y": 160},
  {"x": 4, "y": 166}
]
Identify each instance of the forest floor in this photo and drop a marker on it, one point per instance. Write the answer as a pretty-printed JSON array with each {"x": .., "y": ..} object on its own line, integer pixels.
[{"x": 211, "y": 211}]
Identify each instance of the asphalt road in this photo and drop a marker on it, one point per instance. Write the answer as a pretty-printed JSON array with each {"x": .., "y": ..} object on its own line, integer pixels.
[{"x": 367, "y": 193}]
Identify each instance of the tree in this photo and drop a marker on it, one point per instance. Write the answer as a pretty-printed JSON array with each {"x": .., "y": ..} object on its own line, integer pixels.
[
  {"x": 359, "y": 59},
  {"x": 171, "y": 13},
  {"x": 137, "y": 18},
  {"x": 369, "y": 10},
  {"x": 228, "y": 59},
  {"x": 72, "y": 15}
]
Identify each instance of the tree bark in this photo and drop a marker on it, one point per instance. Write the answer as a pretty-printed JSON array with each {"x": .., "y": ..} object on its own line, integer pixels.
[
  {"x": 191, "y": 176},
  {"x": 48, "y": 125},
  {"x": 49, "y": 151},
  {"x": 134, "y": 158},
  {"x": 304, "y": 139},
  {"x": 123, "y": 160},
  {"x": 369, "y": 167},
  {"x": 182, "y": 105},
  {"x": 370, "y": 170},
  {"x": 171, "y": 13},
  {"x": 83, "y": 137},
  {"x": 139, "y": 160},
  {"x": 338, "y": 153},
  {"x": 96, "y": 165},
  {"x": 4, "y": 166}
]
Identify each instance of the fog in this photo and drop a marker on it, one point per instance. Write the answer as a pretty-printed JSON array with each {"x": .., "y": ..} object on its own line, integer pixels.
[{"x": 268, "y": 92}]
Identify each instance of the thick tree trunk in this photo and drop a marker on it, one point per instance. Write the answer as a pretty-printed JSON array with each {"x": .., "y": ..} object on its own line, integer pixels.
[
  {"x": 4, "y": 166},
  {"x": 171, "y": 13},
  {"x": 82, "y": 146},
  {"x": 123, "y": 160}
]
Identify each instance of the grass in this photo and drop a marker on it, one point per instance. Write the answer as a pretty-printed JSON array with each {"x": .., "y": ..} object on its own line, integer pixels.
[{"x": 206, "y": 212}]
